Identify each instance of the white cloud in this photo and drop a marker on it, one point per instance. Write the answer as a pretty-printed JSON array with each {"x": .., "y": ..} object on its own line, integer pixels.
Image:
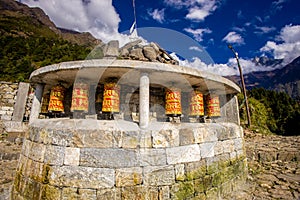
[
  {"x": 264, "y": 29},
  {"x": 220, "y": 69},
  {"x": 233, "y": 38},
  {"x": 97, "y": 17},
  {"x": 158, "y": 15},
  {"x": 198, "y": 33},
  {"x": 202, "y": 10},
  {"x": 288, "y": 46},
  {"x": 198, "y": 10},
  {"x": 228, "y": 69},
  {"x": 195, "y": 48}
]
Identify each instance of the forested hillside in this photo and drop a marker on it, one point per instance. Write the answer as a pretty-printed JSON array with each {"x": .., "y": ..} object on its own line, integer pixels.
[
  {"x": 272, "y": 112},
  {"x": 29, "y": 40}
]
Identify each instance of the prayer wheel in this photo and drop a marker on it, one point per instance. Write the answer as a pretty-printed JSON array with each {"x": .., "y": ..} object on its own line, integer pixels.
[
  {"x": 213, "y": 106},
  {"x": 173, "y": 102},
  {"x": 57, "y": 95},
  {"x": 80, "y": 97},
  {"x": 111, "y": 98},
  {"x": 45, "y": 103},
  {"x": 196, "y": 104}
]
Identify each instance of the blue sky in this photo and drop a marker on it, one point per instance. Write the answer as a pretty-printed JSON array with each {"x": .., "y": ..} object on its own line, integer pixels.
[{"x": 253, "y": 27}]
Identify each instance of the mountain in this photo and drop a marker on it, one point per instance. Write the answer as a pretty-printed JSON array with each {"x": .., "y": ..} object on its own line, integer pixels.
[
  {"x": 29, "y": 40},
  {"x": 11, "y": 10},
  {"x": 286, "y": 79}
]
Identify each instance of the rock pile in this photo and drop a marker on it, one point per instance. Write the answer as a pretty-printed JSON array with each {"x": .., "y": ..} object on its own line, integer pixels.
[{"x": 134, "y": 50}]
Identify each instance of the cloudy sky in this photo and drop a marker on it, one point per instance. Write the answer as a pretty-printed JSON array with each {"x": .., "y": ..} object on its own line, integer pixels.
[{"x": 252, "y": 27}]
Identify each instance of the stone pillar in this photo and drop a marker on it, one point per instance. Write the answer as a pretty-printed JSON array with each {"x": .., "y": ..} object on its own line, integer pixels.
[
  {"x": 36, "y": 103},
  {"x": 19, "y": 107},
  {"x": 144, "y": 100}
]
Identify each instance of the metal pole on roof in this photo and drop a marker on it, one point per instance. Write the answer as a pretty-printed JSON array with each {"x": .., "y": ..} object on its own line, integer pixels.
[{"x": 243, "y": 84}]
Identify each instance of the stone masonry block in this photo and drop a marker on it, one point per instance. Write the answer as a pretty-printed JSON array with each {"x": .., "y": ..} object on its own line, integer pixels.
[
  {"x": 182, "y": 154},
  {"x": 186, "y": 137},
  {"x": 228, "y": 146},
  {"x": 109, "y": 194},
  {"x": 199, "y": 134},
  {"x": 69, "y": 193},
  {"x": 129, "y": 176},
  {"x": 130, "y": 139},
  {"x": 159, "y": 176},
  {"x": 152, "y": 157},
  {"x": 207, "y": 149},
  {"x": 218, "y": 148},
  {"x": 179, "y": 172},
  {"x": 54, "y": 155},
  {"x": 165, "y": 138},
  {"x": 94, "y": 138},
  {"x": 82, "y": 177},
  {"x": 112, "y": 158},
  {"x": 72, "y": 156},
  {"x": 37, "y": 152}
]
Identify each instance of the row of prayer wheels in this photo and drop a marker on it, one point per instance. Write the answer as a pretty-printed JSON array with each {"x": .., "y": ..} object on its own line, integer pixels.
[{"x": 111, "y": 101}]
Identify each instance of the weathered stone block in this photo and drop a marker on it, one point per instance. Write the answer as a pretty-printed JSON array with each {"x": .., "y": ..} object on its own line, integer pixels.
[
  {"x": 50, "y": 192},
  {"x": 109, "y": 194},
  {"x": 82, "y": 177},
  {"x": 159, "y": 176},
  {"x": 218, "y": 148},
  {"x": 72, "y": 156},
  {"x": 186, "y": 137},
  {"x": 111, "y": 49},
  {"x": 195, "y": 170},
  {"x": 165, "y": 138},
  {"x": 94, "y": 139},
  {"x": 152, "y": 157},
  {"x": 179, "y": 172},
  {"x": 37, "y": 152},
  {"x": 113, "y": 158},
  {"x": 199, "y": 134},
  {"x": 182, "y": 154},
  {"x": 150, "y": 53},
  {"x": 164, "y": 193},
  {"x": 207, "y": 149},
  {"x": 211, "y": 134},
  {"x": 129, "y": 176},
  {"x": 222, "y": 133},
  {"x": 76, "y": 193},
  {"x": 130, "y": 139},
  {"x": 228, "y": 146},
  {"x": 54, "y": 155}
]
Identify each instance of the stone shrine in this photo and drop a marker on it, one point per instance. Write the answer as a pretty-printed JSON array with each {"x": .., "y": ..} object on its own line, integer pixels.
[{"x": 131, "y": 124}]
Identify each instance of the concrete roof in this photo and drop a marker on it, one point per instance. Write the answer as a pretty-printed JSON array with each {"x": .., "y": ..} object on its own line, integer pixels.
[{"x": 128, "y": 72}]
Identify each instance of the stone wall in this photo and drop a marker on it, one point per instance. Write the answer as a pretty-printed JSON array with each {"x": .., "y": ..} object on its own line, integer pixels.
[
  {"x": 92, "y": 159},
  {"x": 8, "y": 96}
]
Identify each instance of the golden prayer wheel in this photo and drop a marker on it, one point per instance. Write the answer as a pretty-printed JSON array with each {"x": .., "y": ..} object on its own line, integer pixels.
[
  {"x": 196, "y": 103},
  {"x": 111, "y": 98},
  {"x": 45, "y": 103},
  {"x": 80, "y": 97},
  {"x": 173, "y": 102},
  {"x": 213, "y": 106},
  {"x": 57, "y": 95}
]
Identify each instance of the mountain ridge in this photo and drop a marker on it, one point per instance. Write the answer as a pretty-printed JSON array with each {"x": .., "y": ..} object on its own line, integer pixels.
[{"x": 285, "y": 79}]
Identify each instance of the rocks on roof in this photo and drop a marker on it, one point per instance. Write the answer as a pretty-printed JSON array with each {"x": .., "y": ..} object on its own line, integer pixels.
[{"x": 133, "y": 51}]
